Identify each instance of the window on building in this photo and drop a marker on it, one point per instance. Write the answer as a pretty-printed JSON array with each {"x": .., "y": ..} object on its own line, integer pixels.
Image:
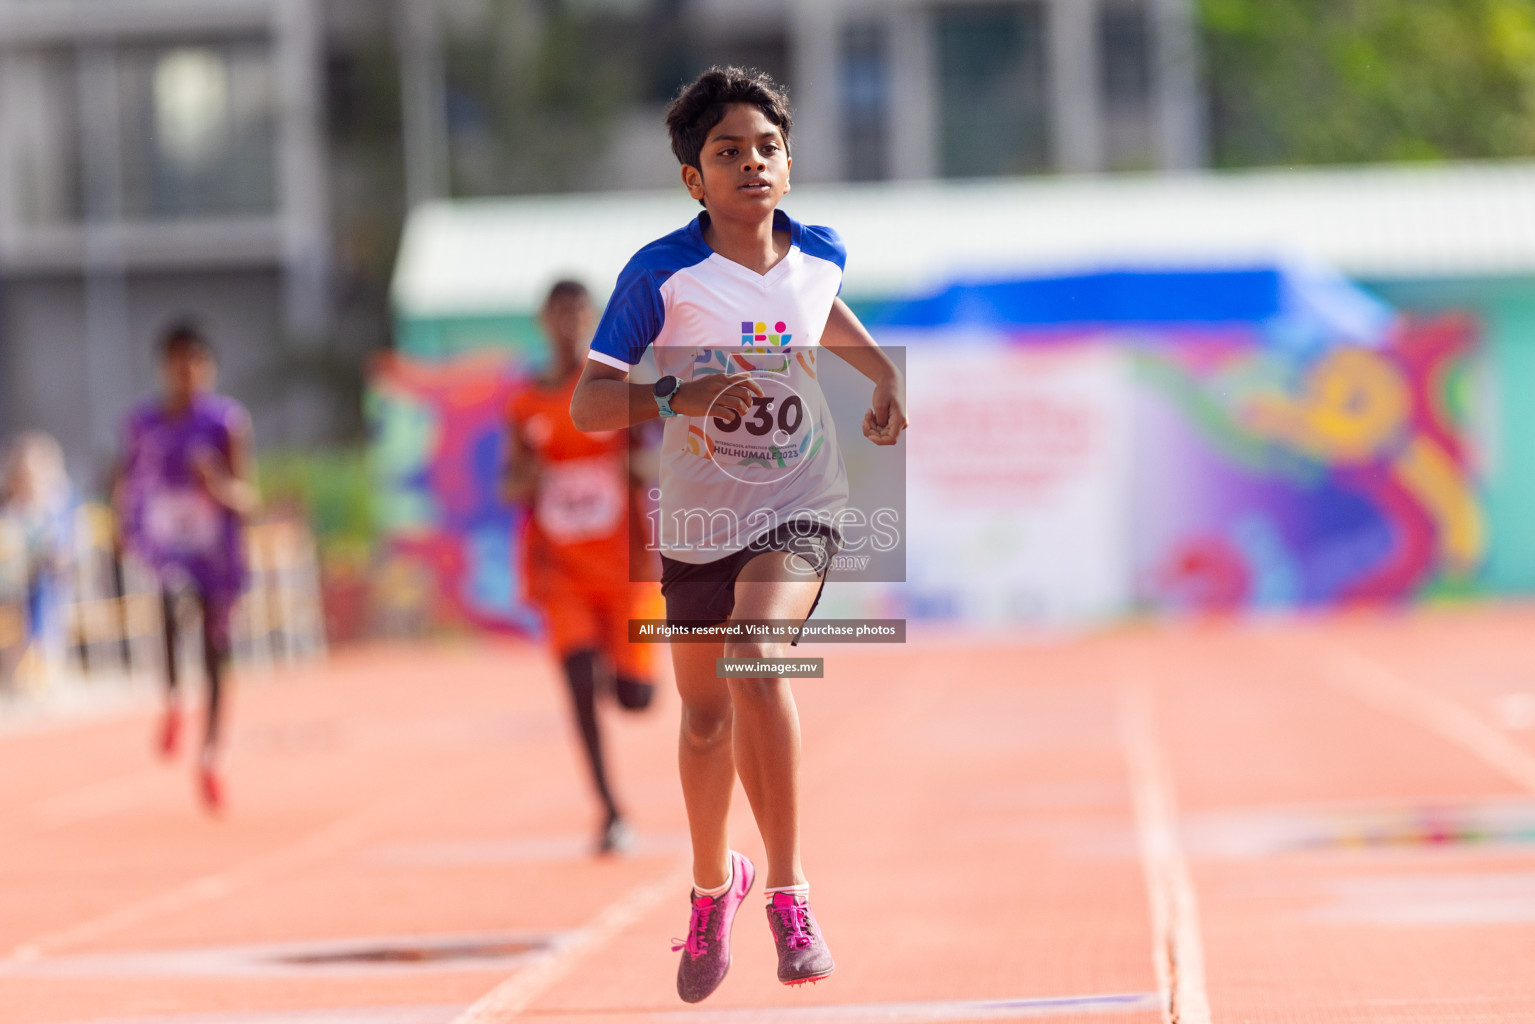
[
  {"x": 198, "y": 132},
  {"x": 992, "y": 100},
  {"x": 1125, "y": 79},
  {"x": 866, "y": 100},
  {"x": 40, "y": 137},
  {"x": 766, "y": 51}
]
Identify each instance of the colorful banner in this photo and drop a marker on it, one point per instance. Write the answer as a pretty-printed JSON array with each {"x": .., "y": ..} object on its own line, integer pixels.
[
  {"x": 1271, "y": 480},
  {"x": 1050, "y": 480},
  {"x": 438, "y": 452},
  {"x": 1018, "y": 482}
]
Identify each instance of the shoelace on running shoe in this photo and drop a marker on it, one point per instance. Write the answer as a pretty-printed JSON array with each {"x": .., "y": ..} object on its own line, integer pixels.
[
  {"x": 795, "y": 918},
  {"x": 696, "y": 944}
]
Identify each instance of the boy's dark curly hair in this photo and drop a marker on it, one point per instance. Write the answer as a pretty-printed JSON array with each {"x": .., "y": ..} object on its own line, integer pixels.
[
  {"x": 701, "y": 105},
  {"x": 567, "y": 288},
  {"x": 185, "y": 336}
]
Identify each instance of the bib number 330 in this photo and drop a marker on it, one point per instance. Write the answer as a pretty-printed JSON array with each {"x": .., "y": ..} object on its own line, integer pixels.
[{"x": 761, "y": 419}]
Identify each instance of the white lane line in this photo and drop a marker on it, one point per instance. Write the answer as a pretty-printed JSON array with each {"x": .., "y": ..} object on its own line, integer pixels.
[
  {"x": 356, "y": 1015},
  {"x": 364, "y": 956},
  {"x": 508, "y": 999},
  {"x": 1178, "y": 950},
  {"x": 97, "y": 799},
  {"x": 340, "y": 834},
  {"x": 920, "y": 1013},
  {"x": 849, "y": 1013},
  {"x": 1390, "y": 691}
]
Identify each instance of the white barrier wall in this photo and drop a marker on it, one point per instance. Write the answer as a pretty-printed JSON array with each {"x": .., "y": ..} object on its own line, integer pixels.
[{"x": 1018, "y": 483}]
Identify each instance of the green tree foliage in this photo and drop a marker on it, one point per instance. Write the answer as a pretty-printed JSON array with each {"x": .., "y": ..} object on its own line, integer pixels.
[
  {"x": 533, "y": 95},
  {"x": 1343, "y": 81}
]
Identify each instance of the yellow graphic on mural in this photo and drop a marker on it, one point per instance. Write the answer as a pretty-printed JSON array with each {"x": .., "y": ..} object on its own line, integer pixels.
[{"x": 1355, "y": 408}]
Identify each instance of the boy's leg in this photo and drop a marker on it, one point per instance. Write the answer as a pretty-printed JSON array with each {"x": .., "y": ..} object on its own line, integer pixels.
[
  {"x": 633, "y": 664},
  {"x": 572, "y": 617},
  {"x": 774, "y": 585},
  {"x": 705, "y": 759},
  {"x": 217, "y": 613},
  {"x": 581, "y": 669},
  {"x": 172, "y": 633},
  {"x": 170, "y": 721}
]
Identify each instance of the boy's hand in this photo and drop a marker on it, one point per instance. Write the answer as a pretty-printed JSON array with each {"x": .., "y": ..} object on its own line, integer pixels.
[
  {"x": 717, "y": 394},
  {"x": 209, "y": 470},
  {"x": 886, "y": 417},
  {"x": 518, "y": 485},
  {"x": 222, "y": 486}
]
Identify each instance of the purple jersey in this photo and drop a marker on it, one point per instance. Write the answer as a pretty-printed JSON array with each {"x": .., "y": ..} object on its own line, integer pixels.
[{"x": 170, "y": 519}]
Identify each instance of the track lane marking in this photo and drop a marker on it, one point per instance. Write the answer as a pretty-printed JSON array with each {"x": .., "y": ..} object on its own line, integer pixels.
[
  {"x": 1178, "y": 949},
  {"x": 96, "y": 799},
  {"x": 507, "y": 1000},
  {"x": 1389, "y": 690},
  {"x": 917, "y": 1012},
  {"x": 346, "y": 831}
]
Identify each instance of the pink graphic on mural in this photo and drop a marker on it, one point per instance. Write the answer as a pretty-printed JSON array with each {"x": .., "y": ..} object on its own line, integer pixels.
[{"x": 438, "y": 450}]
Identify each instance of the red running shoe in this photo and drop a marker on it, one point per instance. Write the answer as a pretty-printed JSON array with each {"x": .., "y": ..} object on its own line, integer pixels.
[
  {"x": 211, "y": 786},
  {"x": 170, "y": 733}
]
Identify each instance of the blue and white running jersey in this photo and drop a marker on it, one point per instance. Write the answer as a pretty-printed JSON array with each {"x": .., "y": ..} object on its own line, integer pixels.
[{"x": 726, "y": 480}]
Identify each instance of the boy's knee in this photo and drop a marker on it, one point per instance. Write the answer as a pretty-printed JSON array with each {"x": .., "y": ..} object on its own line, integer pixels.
[
  {"x": 768, "y": 690},
  {"x": 703, "y": 729},
  {"x": 756, "y": 650},
  {"x": 764, "y": 688},
  {"x": 633, "y": 694},
  {"x": 581, "y": 671}
]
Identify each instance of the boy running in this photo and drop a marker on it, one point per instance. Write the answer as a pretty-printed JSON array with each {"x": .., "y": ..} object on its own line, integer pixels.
[
  {"x": 183, "y": 496},
  {"x": 736, "y": 304},
  {"x": 576, "y": 540}
]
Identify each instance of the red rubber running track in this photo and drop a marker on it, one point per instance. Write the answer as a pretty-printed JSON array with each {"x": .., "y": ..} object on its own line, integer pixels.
[{"x": 1309, "y": 820}]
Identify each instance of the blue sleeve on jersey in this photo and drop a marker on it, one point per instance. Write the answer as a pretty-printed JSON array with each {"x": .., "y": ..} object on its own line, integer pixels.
[
  {"x": 824, "y": 243},
  {"x": 634, "y": 314}
]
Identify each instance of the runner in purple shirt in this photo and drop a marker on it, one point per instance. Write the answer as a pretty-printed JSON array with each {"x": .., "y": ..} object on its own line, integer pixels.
[{"x": 183, "y": 496}]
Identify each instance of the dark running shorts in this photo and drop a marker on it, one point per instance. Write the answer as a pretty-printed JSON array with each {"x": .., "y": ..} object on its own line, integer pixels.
[{"x": 705, "y": 594}]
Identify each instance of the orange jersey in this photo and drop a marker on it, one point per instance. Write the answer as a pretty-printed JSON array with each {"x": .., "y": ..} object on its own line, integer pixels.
[{"x": 578, "y": 532}]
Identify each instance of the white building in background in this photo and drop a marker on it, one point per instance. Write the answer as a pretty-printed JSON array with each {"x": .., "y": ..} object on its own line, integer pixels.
[
  {"x": 168, "y": 157},
  {"x": 967, "y": 88},
  {"x": 919, "y": 89},
  {"x": 157, "y": 159}
]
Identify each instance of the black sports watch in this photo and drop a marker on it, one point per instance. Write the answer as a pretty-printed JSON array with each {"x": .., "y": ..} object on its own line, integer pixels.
[{"x": 665, "y": 388}]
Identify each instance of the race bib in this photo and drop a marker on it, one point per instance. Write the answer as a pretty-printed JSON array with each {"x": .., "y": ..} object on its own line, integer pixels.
[
  {"x": 769, "y": 445},
  {"x": 183, "y": 521},
  {"x": 580, "y": 499}
]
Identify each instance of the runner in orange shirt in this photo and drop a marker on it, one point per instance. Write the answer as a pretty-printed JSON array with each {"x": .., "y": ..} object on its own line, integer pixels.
[{"x": 576, "y": 541}]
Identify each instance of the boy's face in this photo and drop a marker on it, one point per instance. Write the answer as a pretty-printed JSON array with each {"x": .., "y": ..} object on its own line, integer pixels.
[
  {"x": 568, "y": 322},
  {"x": 744, "y": 165},
  {"x": 188, "y": 373}
]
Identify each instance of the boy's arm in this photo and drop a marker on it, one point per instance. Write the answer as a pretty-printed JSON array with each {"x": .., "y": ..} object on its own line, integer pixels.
[
  {"x": 521, "y": 480},
  {"x": 236, "y": 488},
  {"x": 851, "y": 342},
  {"x": 605, "y": 400}
]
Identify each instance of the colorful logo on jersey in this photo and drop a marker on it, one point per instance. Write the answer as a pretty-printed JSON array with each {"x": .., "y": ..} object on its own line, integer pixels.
[{"x": 755, "y": 334}]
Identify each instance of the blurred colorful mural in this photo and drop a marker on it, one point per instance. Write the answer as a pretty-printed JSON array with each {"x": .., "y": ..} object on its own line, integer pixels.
[
  {"x": 1262, "y": 439},
  {"x": 1270, "y": 479},
  {"x": 437, "y": 453},
  {"x": 1286, "y": 440}
]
